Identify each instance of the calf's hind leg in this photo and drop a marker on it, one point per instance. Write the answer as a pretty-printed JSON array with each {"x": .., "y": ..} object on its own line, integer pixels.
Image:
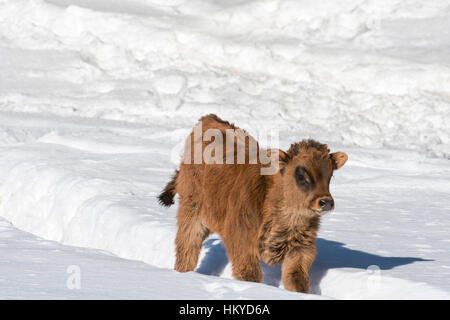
[
  {"x": 245, "y": 262},
  {"x": 190, "y": 235}
]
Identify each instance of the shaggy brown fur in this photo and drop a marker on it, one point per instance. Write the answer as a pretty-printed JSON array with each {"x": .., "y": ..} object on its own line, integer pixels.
[{"x": 270, "y": 217}]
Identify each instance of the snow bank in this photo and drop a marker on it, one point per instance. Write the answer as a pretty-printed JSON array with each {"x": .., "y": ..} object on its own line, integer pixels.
[
  {"x": 78, "y": 201},
  {"x": 370, "y": 285},
  {"x": 365, "y": 73},
  {"x": 32, "y": 268}
]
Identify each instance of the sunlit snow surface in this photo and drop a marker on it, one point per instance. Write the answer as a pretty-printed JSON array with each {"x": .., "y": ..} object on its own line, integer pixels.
[{"x": 96, "y": 98}]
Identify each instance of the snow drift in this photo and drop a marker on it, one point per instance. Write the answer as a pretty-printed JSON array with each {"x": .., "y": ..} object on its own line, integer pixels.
[{"x": 365, "y": 73}]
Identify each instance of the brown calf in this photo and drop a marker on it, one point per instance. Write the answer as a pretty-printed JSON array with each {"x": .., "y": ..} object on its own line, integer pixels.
[{"x": 270, "y": 217}]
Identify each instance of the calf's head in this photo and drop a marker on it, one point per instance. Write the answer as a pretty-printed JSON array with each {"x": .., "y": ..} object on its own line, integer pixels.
[{"x": 305, "y": 172}]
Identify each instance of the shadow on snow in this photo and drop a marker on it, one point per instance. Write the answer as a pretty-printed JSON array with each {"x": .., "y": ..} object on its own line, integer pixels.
[{"x": 330, "y": 255}]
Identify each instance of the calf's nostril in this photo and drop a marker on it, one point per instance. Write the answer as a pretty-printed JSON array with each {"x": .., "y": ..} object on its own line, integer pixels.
[{"x": 322, "y": 202}]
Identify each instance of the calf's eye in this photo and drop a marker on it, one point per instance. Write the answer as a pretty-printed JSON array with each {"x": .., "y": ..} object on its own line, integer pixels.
[{"x": 300, "y": 177}]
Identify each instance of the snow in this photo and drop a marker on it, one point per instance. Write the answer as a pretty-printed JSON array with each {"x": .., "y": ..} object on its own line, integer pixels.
[
  {"x": 97, "y": 97},
  {"x": 33, "y": 268}
]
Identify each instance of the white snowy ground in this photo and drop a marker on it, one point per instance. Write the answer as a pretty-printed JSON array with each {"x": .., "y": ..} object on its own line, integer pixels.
[{"x": 96, "y": 98}]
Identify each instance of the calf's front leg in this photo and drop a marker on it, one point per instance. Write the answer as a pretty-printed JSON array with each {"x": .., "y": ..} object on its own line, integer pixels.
[{"x": 295, "y": 268}]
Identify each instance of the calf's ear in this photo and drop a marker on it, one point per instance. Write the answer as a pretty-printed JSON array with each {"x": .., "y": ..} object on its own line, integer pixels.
[
  {"x": 339, "y": 159},
  {"x": 280, "y": 157}
]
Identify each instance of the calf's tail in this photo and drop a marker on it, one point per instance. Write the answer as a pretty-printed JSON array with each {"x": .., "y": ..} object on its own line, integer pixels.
[{"x": 167, "y": 195}]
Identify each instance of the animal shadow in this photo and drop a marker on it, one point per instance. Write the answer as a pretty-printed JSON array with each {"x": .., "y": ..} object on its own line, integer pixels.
[
  {"x": 215, "y": 259},
  {"x": 330, "y": 255}
]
